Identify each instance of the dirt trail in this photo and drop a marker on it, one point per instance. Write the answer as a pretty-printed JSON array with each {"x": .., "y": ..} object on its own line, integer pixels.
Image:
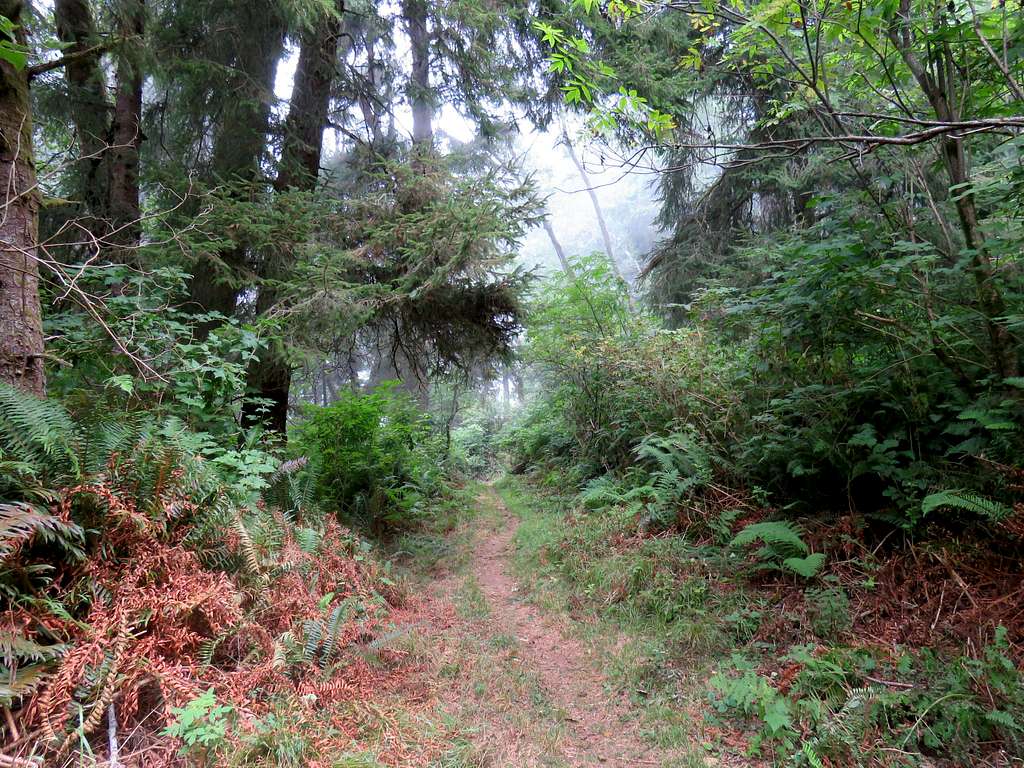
[{"x": 596, "y": 729}]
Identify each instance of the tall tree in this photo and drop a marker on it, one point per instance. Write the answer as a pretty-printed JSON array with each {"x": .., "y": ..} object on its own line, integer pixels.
[
  {"x": 126, "y": 129},
  {"x": 606, "y": 237},
  {"x": 420, "y": 95},
  {"x": 89, "y": 107},
  {"x": 270, "y": 376},
  {"x": 559, "y": 250},
  {"x": 21, "y": 333},
  {"x": 249, "y": 46}
]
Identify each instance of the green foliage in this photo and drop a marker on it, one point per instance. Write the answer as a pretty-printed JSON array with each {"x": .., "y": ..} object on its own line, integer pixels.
[
  {"x": 977, "y": 505},
  {"x": 752, "y": 696},
  {"x": 39, "y": 434},
  {"x": 11, "y": 50},
  {"x": 321, "y": 636},
  {"x": 780, "y": 537},
  {"x": 374, "y": 457},
  {"x": 829, "y": 611},
  {"x": 943, "y": 708},
  {"x": 24, "y": 665},
  {"x": 201, "y": 724},
  {"x": 783, "y": 547}
]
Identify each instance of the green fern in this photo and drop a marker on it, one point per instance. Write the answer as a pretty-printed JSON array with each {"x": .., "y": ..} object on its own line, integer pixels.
[
  {"x": 808, "y": 567},
  {"x": 39, "y": 433},
  {"x": 676, "y": 453},
  {"x": 780, "y": 536},
  {"x": 967, "y": 501},
  {"x": 245, "y": 543},
  {"x": 22, "y": 683},
  {"x": 308, "y": 539},
  {"x": 811, "y": 756},
  {"x": 321, "y": 637},
  {"x": 601, "y": 492},
  {"x": 24, "y": 666},
  {"x": 681, "y": 467}
]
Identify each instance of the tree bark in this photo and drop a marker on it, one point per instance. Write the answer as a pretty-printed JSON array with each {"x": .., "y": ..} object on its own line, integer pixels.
[
  {"x": 21, "y": 332},
  {"x": 270, "y": 376},
  {"x": 125, "y": 207},
  {"x": 370, "y": 97},
  {"x": 605, "y": 235},
  {"x": 89, "y": 107},
  {"x": 421, "y": 97},
  {"x": 240, "y": 142}
]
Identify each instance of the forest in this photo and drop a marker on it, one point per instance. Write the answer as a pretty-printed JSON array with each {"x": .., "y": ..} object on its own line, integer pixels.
[{"x": 512, "y": 383}]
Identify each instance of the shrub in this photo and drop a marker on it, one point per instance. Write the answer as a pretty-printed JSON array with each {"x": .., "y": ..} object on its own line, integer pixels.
[{"x": 374, "y": 456}]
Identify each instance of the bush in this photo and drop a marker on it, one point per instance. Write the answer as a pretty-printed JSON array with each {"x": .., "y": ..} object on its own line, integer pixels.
[{"x": 374, "y": 456}]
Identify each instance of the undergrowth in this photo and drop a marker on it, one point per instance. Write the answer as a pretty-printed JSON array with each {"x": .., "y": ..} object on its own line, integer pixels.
[
  {"x": 182, "y": 601},
  {"x": 773, "y": 666}
]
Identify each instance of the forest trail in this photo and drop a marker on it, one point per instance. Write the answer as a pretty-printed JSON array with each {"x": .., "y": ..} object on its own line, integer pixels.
[{"x": 541, "y": 698}]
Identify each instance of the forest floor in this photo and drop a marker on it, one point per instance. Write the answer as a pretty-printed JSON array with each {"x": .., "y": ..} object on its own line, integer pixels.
[{"x": 520, "y": 681}]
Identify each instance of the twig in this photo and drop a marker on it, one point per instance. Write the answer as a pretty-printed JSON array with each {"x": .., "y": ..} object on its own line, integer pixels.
[
  {"x": 11, "y": 725},
  {"x": 47, "y": 66},
  {"x": 890, "y": 683},
  {"x": 19, "y": 762},
  {"x": 112, "y": 736}
]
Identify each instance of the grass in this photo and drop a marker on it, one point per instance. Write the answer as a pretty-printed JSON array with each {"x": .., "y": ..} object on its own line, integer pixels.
[
  {"x": 617, "y": 599},
  {"x": 694, "y": 644}
]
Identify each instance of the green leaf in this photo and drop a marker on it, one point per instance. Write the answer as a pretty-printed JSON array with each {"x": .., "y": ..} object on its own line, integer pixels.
[
  {"x": 808, "y": 567},
  {"x": 776, "y": 715},
  {"x": 965, "y": 500}
]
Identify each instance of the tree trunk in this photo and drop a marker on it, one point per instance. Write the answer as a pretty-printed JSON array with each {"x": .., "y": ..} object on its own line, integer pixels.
[
  {"x": 421, "y": 97},
  {"x": 21, "y": 332},
  {"x": 89, "y": 107},
  {"x": 559, "y": 251},
  {"x": 240, "y": 142},
  {"x": 270, "y": 376},
  {"x": 370, "y": 97},
  {"x": 605, "y": 236},
  {"x": 125, "y": 207},
  {"x": 1002, "y": 344}
]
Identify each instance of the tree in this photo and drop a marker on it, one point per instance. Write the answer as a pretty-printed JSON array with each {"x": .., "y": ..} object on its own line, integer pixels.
[
  {"x": 21, "y": 333},
  {"x": 105, "y": 173},
  {"x": 606, "y": 238},
  {"x": 246, "y": 42},
  {"x": 419, "y": 92},
  {"x": 559, "y": 250},
  {"x": 299, "y": 169}
]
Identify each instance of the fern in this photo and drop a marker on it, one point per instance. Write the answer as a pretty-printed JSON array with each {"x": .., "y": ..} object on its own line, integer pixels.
[
  {"x": 681, "y": 466},
  {"x": 321, "y": 637},
  {"x": 39, "y": 432},
  {"x": 808, "y": 567},
  {"x": 20, "y": 522},
  {"x": 248, "y": 548},
  {"x": 312, "y": 631},
  {"x": 678, "y": 453},
  {"x": 811, "y": 756},
  {"x": 24, "y": 665},
  {"x": 782, "y": 537},
  {"x": 967, "y": 501},
  {"x": 121, "y": 434},
  {"x": 14, "y": 686},
  {"x": 601, "y": 492},
  {"x": 308, "y": 539}
]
